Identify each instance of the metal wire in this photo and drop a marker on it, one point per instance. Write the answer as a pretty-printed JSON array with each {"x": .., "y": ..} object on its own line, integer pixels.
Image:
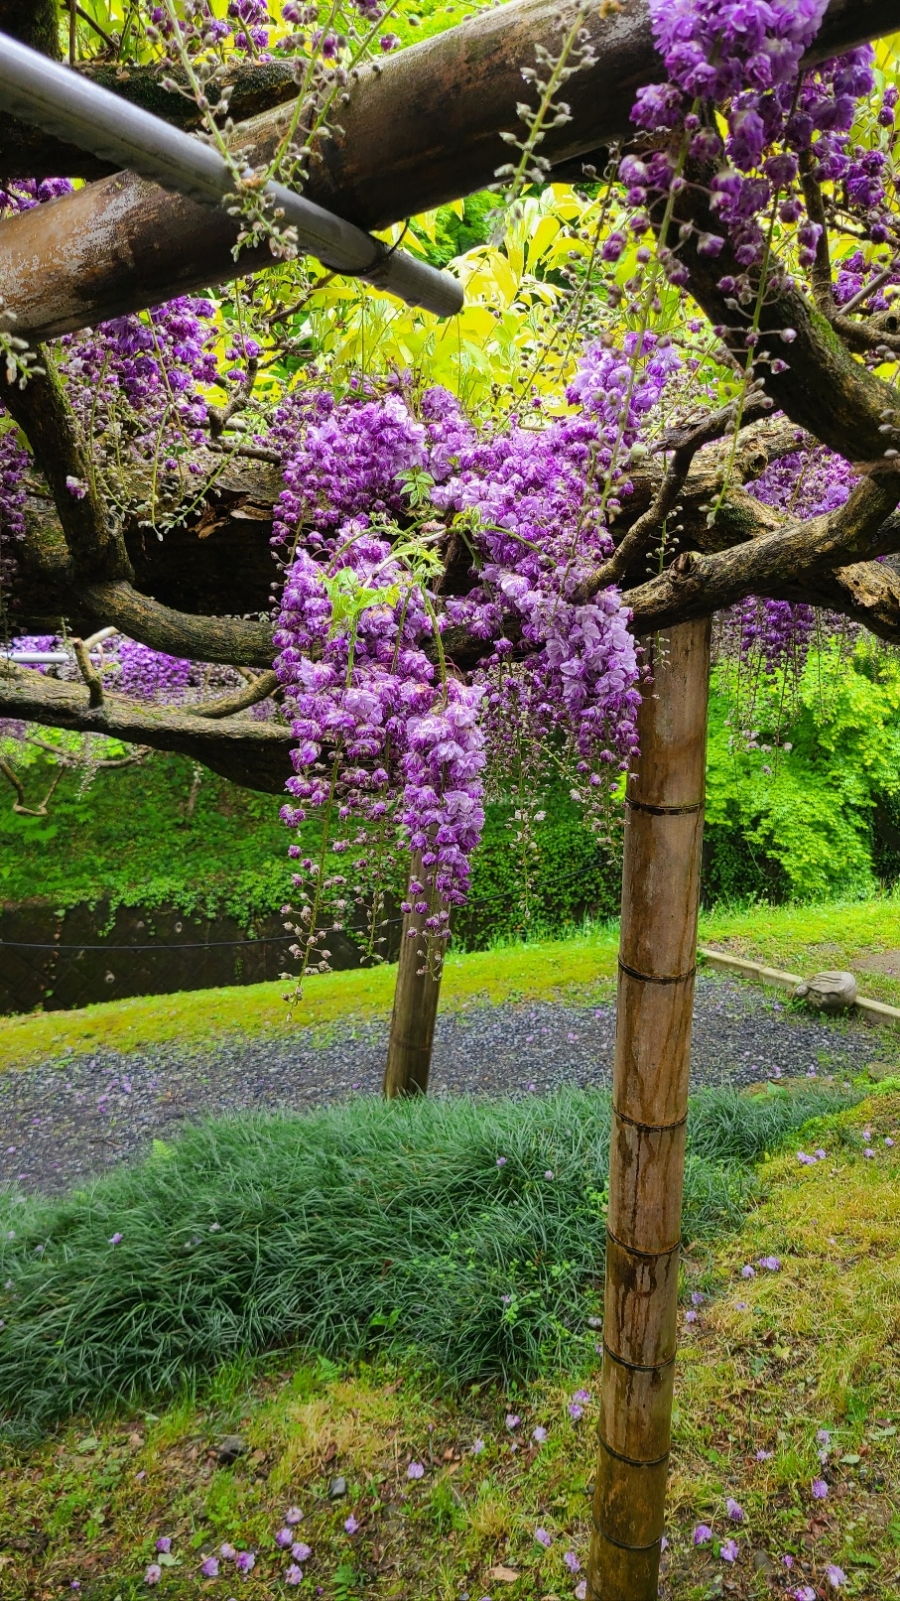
[{"x": 60, "y": 101}]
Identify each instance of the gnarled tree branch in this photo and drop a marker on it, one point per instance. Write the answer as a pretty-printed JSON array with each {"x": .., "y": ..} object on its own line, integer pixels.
[
  {"x": 233, "y": 641},
  {"x": 697, "y": 586},
  {"x": 256, "y": 754}
]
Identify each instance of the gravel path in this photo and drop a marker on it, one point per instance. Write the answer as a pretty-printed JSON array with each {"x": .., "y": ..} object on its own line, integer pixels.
[{"x": 61, "y": 1122}]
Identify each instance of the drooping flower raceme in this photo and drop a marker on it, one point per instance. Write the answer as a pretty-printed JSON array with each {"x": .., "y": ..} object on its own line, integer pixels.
[{"x": 388, "y": 741}]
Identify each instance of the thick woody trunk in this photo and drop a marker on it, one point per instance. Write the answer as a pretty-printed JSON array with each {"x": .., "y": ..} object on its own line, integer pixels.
[
  {"x": 416, "y": 998},
  {"x": 660, "y": 891}
]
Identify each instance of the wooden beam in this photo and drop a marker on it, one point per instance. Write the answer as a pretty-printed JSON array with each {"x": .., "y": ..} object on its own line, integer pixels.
[{"x": 421, "y": 128}]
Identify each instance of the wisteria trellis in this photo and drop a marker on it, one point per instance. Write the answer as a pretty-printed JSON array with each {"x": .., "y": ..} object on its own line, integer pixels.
[{"x": 460, "y": 580}]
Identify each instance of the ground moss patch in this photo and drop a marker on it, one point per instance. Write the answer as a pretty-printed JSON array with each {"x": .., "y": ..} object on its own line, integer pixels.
[{"x": 543, "y": 970}]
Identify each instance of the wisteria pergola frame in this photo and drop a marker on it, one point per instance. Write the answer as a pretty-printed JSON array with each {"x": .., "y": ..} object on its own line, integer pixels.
[{"x": 423, "y": 130}]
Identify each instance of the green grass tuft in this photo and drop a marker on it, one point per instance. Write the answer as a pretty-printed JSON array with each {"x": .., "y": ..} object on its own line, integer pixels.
[{"x": 361, "y": 1227}]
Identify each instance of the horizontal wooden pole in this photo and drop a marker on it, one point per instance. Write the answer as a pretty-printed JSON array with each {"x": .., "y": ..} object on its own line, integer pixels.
[{"x": 421, "y": 128}]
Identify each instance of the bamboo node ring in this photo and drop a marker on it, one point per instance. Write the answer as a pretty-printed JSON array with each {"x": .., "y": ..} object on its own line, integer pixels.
[{"x": 653, "y": 978}]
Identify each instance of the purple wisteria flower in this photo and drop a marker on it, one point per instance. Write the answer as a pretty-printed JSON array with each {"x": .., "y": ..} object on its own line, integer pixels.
[
  {"x": 702, "y": 1534},
  {"x": 576, "y": 1412},
  {"x": 227, "y": 1551},
  {"x": 772, "y": 1264},
  {"x": 763, "y": 1456},
  {"x": 245, "y": 1562},
  {"x": 819, "y": 1489},
  {"x": 477, "y": 1448},
  {"x": 300, "y": 1551},
  {"x": 153, "y": 1574},
  {"x": 284, "y": 1538},
  {"x": 293, "y": 1515},
  {"x": 690, "y": 1315},
  {"x": 294, "y": 1575},
  {"x": 539, "y": 1434},
  {"x": 804, "y": 1592},
  {"x": 543, "y": 1538},
  {"x": 512, "y": 1420},
  {"x": 164, "y": 1544},
  {"x": 835, "y": 1575},
  {"x": 116, "y": 1239},
  {"x": 734, "y": 1510},
  {"x": 210, "y": 1568},
  {"x": 501, "y": 1161},
  {"x": 572, "y": 1562},
  {"x": 748, "y": 1272},
  {"x": 350, "y": 1524},
  {"x": 729, "y": 1551},
  {"x": 415, "y": 1471}
]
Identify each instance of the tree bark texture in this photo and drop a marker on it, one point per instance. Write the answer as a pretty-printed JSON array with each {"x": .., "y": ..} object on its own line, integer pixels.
[
  {"x": 242, "y": 749},
  {"x": 657, "y": 955},
  {"x": 421, "y": 128},
  {"x": 416, "y": 995}
]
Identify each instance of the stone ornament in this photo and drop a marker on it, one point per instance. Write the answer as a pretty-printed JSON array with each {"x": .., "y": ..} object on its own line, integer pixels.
[{"x": 828, "y": 992}]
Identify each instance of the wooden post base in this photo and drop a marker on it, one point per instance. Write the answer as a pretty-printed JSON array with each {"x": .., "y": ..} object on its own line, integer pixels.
[{"x": 657, "y": 956}]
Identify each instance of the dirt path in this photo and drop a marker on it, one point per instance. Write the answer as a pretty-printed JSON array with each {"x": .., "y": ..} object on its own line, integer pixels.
[{"x": 65, "y": 1120}]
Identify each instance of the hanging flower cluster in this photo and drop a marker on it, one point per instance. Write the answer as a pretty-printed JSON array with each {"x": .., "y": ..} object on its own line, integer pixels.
[
  {"x": 743, "y": 60},
  {"x": 377, "y": 489},
  {"x": 136, "y": 382}
]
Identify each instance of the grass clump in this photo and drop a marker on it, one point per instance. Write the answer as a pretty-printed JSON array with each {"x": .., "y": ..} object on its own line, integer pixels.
[{"x": 464, "y": 1235}]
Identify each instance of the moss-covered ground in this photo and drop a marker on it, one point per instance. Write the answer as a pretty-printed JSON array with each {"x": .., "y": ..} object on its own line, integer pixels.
[{"x": 769, "y": 1362}]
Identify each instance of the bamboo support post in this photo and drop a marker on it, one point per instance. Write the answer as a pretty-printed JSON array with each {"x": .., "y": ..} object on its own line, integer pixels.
[
  {"x": 416, "y": 997},
  {"x": 657, "y": 955}
]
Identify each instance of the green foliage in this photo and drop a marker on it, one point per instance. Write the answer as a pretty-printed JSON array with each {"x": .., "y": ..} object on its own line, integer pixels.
[
  {"x": 391, "y": 1226},
  {"x": 570, "y": 875},
  {"x": 135, "y": 837},
  {"x": 805, "y": 810},
  {"x": 131, "y": 839},
  {"x": 815, "y": 816}
]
